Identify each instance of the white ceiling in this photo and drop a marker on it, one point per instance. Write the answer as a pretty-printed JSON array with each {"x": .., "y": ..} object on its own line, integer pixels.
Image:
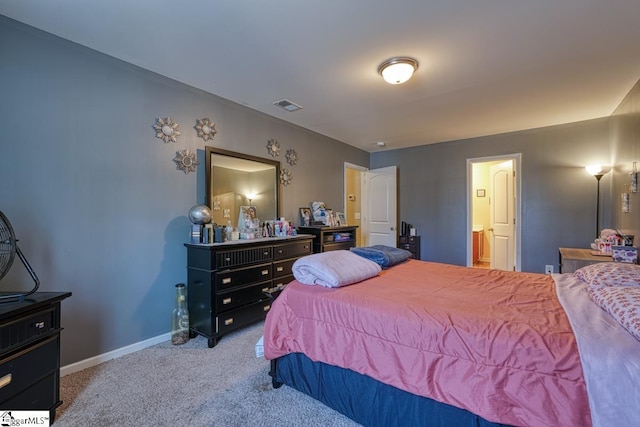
[{"x": 486, "y": 67}]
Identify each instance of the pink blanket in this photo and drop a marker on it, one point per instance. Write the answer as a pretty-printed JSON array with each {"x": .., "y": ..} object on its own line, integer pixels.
[{"x": 495, "y": 343}]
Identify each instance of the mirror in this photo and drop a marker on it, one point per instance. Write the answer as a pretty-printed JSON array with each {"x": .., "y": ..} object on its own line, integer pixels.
[{"x": 235, "y": 182}]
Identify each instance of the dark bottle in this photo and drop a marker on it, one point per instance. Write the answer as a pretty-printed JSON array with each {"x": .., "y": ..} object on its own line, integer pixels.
[{"x": 180, "y": 318}]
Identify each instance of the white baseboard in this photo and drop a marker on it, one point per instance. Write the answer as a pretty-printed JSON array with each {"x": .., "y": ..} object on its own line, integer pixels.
[{"x": 96, "y": 360}]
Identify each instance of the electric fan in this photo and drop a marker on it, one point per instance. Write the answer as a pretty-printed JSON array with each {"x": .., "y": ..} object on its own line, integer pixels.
[{"x": 8, "y": 249}]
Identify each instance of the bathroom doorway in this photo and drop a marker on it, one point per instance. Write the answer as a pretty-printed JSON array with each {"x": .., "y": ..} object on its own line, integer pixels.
[{"x": 493, "y": 212}]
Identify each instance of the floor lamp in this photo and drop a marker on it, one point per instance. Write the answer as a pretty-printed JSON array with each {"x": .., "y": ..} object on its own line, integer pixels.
[{"x": 598, "y": 171}]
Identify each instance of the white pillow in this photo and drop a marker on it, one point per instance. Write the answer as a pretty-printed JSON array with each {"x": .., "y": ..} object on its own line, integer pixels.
[{"x": 334, "y": 269}]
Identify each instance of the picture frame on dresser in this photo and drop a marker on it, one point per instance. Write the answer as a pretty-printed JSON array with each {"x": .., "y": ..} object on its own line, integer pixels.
[
  {"x": 305, "y": 217},
  {"x": 341, "y": 219}
]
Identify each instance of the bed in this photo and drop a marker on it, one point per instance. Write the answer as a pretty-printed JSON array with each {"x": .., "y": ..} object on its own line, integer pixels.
[{"x": 422, "y": 343}]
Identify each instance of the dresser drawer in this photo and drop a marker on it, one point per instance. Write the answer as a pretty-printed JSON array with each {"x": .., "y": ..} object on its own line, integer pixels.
[
  {"x": 283, "y": 281},
  {"x": 283, "y": 268},
  {"x": 339, "y": 246},
  {"x": 43, "y": 395},
  {"x": 24, "y": 368},
  {"x": 21, "y": 330},
  {"x": 232, "y": 258},
  {"x": 407, "y": 247},
  {"x": 410, "y": 240},
  {"x": 234, "y": 319},
  {"x": 241, "y": 296},
  {"x": 242, "y": 276},
  {"x": 292, "y": 250}
]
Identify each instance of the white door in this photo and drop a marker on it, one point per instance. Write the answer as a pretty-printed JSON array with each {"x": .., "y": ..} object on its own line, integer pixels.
[
  {"x": 502, "y": 216},
  {"x": 379, "y": 221}
]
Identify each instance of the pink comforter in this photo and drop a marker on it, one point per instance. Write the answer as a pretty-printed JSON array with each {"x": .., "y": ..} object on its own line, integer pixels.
[{"x": 495, "y": 343}]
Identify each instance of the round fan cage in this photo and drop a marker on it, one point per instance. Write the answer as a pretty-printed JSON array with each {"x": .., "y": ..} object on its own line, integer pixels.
[{"x": 8, "y": 250}]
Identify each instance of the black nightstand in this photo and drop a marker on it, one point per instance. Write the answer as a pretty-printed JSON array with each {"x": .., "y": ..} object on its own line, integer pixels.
[{"x": 411, "y": 244}]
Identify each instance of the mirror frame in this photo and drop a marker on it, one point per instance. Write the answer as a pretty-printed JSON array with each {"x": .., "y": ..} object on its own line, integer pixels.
[{"x": 209, "y": 151}]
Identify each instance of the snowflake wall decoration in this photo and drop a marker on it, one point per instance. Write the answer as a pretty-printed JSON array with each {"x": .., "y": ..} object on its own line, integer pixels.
[
  {"x": 292, "y": 156},
  {"x": 206, "y": 128},
  {"x": 186, "y": 161},
  {"x": 166, "y": 129},
  {"x": 273, "y": 147}
]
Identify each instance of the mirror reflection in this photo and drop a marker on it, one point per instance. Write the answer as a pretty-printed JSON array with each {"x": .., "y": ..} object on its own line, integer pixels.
[{"x": 241, "y": 190}]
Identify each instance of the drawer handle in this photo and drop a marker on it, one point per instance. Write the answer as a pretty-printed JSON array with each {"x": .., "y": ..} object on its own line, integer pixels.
[
  {"x": 306, "y": 246},
  {"x": 265, "y": 289},
  {"x": 279, "y": 251},
  {"x": 279, "y": 285},
  {"x": 39, "y": 325},
  {"x": 226, "y": 301},
  {"x": 265, "y": 272},
  {"x": 265, "y": 253},
  {"x": 226, "y": 280},
  {"x": 5, "y": 381},
  {"x": 279, "y": 268},
  {"x": 266, "y": 307},
  {"x": 228, "y": 321},
  {"x": 227, "y": 259}
]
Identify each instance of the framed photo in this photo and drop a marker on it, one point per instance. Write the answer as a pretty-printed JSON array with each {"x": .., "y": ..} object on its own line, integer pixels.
[
  {"x": 341, "y": 219},
  {"x": 305, "y": 217},
  {"x": 480, "y": 193},
  {"x": 248, "y": 217},
  {"x": 319, "y": 212}
]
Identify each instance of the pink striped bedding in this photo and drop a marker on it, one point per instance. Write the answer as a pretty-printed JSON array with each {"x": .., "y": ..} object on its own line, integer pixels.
[{"x": 496, "y": 343}]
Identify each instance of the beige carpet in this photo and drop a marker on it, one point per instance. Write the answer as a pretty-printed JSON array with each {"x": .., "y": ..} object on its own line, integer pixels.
[{"x": 189, "y": 385}]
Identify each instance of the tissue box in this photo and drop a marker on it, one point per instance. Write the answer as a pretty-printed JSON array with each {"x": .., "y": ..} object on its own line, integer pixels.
[{"x": 628, "y": 254}]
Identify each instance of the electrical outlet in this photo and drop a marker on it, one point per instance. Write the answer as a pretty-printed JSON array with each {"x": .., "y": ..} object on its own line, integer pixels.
[{"x": 548, "y": 269}]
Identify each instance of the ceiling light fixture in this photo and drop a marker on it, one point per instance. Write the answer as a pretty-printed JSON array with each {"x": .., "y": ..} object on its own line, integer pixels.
[{"x": 398, "y": 70}]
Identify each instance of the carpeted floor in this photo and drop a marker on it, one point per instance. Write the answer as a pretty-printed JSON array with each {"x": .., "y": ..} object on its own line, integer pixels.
[{"x": 189, "y": 385}]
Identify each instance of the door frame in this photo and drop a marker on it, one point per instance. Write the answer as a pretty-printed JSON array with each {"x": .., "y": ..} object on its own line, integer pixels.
[
  {"x": 517, "y": 167},
  {"x": 345, "y": 201}
]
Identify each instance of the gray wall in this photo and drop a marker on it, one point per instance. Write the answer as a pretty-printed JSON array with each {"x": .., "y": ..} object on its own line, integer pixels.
[
  {"x": 558, "y": 196},
  {"x": 96, "y": 200},
  {"x": 625, "y": 142}
]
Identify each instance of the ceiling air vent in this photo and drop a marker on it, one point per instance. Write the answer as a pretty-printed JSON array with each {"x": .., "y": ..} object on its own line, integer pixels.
[{"x": 287, "y": 105}]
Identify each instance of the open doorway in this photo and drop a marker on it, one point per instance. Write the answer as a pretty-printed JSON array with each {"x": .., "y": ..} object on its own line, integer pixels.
[
  {"x": 353, "y": 197},
  {"x": 493, "y": 212}
]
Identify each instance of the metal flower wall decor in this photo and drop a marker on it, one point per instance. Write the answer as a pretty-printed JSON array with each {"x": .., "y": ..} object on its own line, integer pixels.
[
  {"x": 166, "y": 129},
  {"x": 285, "y": 177},
  {"x": 186, "y": 161},
  {"x": 273, "y": 147},
  {"x": 206, "y": 128},
  {"x": 292, "y": 156}
]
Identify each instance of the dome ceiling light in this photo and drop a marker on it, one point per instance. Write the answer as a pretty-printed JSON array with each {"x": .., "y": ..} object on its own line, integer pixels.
[{"x": 398, "y": 70}]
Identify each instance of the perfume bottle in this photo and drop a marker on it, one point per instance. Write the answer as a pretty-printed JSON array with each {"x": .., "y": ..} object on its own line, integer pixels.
[
  {"x": 180, "y": 317},
  {"x": 633, "y": 184}
]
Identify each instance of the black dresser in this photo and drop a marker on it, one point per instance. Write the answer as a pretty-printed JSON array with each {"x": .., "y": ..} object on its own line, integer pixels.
[
  {"x": 30, "y": 353},
  {"x": 229, "y": 284}
]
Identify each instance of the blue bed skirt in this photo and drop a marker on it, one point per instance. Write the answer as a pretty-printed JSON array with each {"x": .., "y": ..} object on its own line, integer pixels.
[{"x": 365, "y": 400}]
